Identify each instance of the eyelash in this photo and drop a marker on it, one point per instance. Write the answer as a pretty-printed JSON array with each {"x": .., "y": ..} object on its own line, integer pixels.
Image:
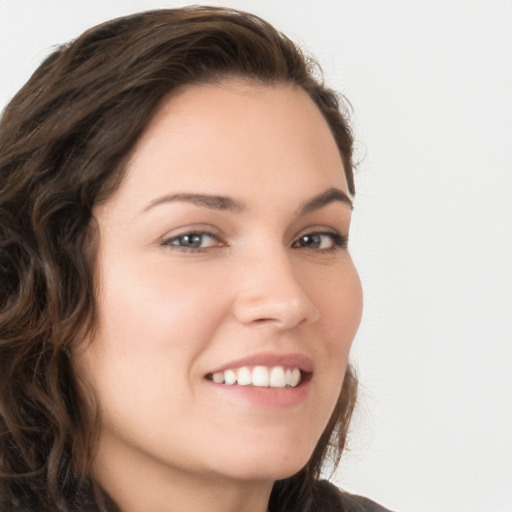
[
  {"x": 171, "y": 242},
  {"x": 337, "y": 241}
]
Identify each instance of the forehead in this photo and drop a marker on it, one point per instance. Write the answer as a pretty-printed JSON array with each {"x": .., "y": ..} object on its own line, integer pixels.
[{"x": 235, "y": 135}]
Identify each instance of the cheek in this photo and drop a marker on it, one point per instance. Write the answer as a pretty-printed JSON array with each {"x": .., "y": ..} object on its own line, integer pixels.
[
  {"x": 339, "y": 300},
  {"x": 338, "y": 296},
  {"x": 153, "y": 323},
  {"x": 159, "y": 305}
]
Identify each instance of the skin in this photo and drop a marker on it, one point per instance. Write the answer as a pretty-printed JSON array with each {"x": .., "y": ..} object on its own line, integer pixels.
[{"x": 168, "y": 315}]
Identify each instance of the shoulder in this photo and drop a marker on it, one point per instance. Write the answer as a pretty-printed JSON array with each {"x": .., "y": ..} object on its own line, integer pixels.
[
  {"x": 362, "y": 504},
  {"x": 348, "y": 502}
]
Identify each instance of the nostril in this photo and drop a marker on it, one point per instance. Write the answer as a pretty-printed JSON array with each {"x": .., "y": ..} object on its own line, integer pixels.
[{"x": 283, "y": 303}]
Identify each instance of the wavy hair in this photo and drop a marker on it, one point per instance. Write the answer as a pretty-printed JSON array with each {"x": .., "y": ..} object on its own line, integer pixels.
[{"x": 64, "y": 141}]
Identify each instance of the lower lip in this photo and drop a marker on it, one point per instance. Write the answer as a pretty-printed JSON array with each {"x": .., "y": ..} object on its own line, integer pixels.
[{"x": 266, "y": 397}]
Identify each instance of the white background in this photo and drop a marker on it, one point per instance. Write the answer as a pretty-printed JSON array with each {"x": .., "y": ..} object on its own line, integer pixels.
[{"x": 431, "y": 86}]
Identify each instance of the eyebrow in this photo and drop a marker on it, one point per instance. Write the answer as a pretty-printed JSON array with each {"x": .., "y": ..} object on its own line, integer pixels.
[
  {"x": 215, "y": 202},
  {"x": 329, "y": 196},
  {"x": 208, "y": 201}
]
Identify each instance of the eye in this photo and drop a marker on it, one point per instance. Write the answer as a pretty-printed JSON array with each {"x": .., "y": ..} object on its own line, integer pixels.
[
  {"x": 193, "y": 241},
  {"x": 321, "y": 241}
]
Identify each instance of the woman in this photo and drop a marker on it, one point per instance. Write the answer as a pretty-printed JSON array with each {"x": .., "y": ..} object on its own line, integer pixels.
[{"x": 178, "y": 302}]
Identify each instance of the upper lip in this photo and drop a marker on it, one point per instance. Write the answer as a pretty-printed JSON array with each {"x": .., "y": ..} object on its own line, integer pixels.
[{"x": 290, "y": 360}]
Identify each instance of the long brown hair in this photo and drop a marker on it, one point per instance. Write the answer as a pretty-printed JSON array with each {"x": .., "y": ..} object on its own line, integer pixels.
[{"x": 64, "y": 139}]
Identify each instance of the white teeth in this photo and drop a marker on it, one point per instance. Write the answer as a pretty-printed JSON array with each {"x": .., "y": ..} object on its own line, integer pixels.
[
  {"x": 259, "y": 376},
  {"x": 244, "y": 377},
  {"x": 295, "y": 377},
  {"x": 229, "y": 377},
  {"x": 277, "y": 378},
  {"x": 218, "y": 377}
]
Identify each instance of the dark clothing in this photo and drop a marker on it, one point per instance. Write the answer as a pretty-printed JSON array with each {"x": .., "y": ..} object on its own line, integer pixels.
[{"x": 348, "y": 502}]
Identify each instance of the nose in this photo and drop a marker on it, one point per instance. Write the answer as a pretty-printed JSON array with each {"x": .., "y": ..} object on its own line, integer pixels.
[{"x": 270, "y": 294}]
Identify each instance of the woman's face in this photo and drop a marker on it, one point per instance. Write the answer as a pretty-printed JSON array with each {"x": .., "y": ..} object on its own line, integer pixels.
[{"x": 223, "y": 255}]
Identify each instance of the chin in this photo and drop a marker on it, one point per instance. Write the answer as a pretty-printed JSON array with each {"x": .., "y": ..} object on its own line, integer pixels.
[{"x": 269, "y": 465}]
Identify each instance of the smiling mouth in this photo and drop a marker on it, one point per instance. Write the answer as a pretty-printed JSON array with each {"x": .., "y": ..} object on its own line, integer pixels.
[{"x": 260, "y": 376}]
